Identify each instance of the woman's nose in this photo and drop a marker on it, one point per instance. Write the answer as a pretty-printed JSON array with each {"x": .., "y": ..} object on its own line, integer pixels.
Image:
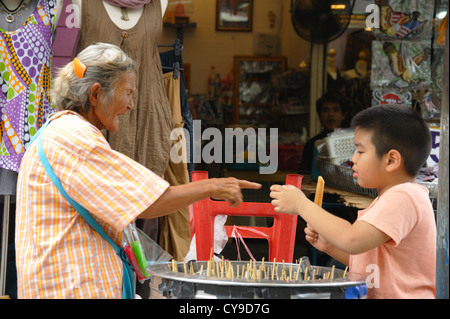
[{"x": 130, "y": 105}]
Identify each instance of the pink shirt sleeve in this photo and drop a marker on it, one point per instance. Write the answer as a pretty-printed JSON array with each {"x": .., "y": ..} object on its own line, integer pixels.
[{"x": 394, "y": 214}]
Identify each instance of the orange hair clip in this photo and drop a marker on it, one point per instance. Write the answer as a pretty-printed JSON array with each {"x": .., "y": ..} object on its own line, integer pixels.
[{"x": 79, "y": 68}]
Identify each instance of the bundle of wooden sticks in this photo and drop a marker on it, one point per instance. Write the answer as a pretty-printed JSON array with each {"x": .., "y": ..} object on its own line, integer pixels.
[{"x": 251, "y": 271}]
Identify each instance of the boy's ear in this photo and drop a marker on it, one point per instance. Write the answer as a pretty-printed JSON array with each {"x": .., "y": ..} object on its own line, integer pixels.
[{"x": 393, "y": 160}]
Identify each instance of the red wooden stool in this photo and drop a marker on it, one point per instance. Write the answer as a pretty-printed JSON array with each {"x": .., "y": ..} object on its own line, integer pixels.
[{"x": 281, "y": 236}]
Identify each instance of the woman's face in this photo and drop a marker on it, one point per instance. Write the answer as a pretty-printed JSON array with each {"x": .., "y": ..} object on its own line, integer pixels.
[{"x": 107, "y": 115}]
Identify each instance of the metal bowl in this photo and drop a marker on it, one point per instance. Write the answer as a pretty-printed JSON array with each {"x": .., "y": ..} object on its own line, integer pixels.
[{"x": 166, "y": 283}]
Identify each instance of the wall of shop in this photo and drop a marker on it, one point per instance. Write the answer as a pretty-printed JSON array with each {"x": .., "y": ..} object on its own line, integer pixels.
[{"x": 205, "y": 47}]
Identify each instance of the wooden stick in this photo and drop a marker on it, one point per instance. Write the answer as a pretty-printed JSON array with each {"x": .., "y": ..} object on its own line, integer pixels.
[
  {"x": 273, "y": 267},
  {"x": 332, "y": 272},
  {"x": 219, "y": 270},
  {"x": 201, "y": 270},
  {"x": 185, "y": 267},
  {"x": 211, "y": 258},
  {"x": 174, "y": 266},
  {"x": 298, "y": 270},
  {"x": 345, "y": 272},
  {"x": 306, "y": 272},
  {"x": 319, "y": 191},
  {"x": 277, "y": 273}
]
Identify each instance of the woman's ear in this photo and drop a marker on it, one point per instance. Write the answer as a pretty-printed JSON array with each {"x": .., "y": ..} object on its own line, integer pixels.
[
  {"x": 393, "y": 160},
  {"x": 94, "y": 94}
]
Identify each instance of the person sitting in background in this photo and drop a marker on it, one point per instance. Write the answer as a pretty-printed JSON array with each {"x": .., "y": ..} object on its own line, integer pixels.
[{"x": 332, "y": 110}]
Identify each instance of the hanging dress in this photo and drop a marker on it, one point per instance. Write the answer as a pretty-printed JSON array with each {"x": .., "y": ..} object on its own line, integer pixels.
[
  {"x": 25, "y": 81},
  {"x": 144, "y": 132}
]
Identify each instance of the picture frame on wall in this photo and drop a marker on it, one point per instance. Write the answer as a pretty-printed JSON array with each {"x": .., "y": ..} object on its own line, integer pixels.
[{"x": 234, "y": 15}]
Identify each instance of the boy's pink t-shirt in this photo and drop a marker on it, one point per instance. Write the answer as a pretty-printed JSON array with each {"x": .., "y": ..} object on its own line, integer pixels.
[{"x": 405, "y": 266}]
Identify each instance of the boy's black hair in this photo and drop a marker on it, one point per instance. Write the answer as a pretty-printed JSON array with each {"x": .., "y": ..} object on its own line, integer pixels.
[
  {"x": 397, "y": 127},
  {"x": 334, "y": 97}
]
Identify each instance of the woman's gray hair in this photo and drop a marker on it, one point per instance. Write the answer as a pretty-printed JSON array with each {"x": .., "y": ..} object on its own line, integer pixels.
[{"x": 104, "y": 64}]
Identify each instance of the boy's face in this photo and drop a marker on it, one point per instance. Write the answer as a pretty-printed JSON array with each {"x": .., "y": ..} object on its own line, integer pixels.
[
  {"x": 331, "y": 115},
  {"x": 367, "y": 166}
]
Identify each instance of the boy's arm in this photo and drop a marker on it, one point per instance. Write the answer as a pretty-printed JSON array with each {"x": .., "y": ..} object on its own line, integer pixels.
[
  {"x": 350, "y": 238},
  {"x": 320, "y": 243},
  {"x": 340, "y": 256}
]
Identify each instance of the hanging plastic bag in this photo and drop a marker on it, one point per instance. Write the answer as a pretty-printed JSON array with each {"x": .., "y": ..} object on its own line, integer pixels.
[
  {"x": 220, "y": 239},
  {"x": 142, "y": 251}
]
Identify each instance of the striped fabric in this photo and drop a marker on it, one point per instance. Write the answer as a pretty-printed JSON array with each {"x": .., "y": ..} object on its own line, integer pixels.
[{"x": 58, "y": 254}]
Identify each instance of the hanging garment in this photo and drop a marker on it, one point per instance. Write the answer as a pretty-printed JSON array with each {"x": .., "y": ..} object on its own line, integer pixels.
[
  {"x": 168, "y": 59},
  {"x": 174, "y": 229},
  {"x": 144, "y": 132},
  {"x": 25, "y": 80}
]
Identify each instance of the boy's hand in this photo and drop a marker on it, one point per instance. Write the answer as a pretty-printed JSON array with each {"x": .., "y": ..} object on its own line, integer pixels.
[
  {"x": 316, "y": 240},
  {"x": 287, "y": 199}
]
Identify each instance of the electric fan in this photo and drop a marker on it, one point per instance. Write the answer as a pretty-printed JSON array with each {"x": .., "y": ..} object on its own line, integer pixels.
[{"x": 320, "y": 21}]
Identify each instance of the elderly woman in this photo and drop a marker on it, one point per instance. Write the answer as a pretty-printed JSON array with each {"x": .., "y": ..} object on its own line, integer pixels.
[{"x": 58, "y": 254}]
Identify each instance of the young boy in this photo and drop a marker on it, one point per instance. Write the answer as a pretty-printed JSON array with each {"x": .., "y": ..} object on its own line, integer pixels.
[{"x": 393, "y": 241}]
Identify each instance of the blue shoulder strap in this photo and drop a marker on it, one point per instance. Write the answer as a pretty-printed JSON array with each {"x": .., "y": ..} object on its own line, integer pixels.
[{"x": 128, "y": 272}]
